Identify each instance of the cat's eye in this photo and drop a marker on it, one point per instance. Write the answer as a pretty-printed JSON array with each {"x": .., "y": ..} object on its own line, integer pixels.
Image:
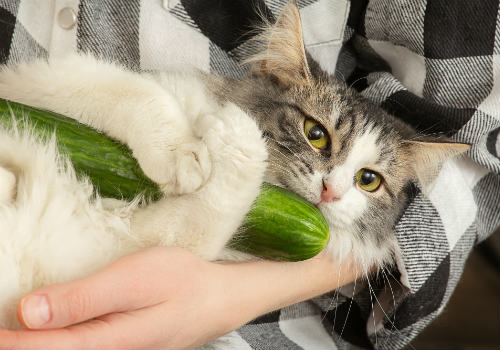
[
  {"x": 368, "y": 180},
  {"x": 316, "y": 134}
]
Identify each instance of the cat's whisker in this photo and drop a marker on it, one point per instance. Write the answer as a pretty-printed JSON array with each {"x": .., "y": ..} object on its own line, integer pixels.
[
  {"x": 350, "y": 303},
  {"x": 335, "y": 299},
  {"x": 393, "y": 321},
  {"x": 355, "y": 81},
  {"x": 274, "y": 149},
  {"x": 281, "y": 153},
  {"x": 382, "y": 271},
  {"x": 370, "y": 292},
  {"x": 398, "y": 103},
  {"x": 422, "y": 134},
  {"x": 281, "y": 170},
  {"x": 387, "y": 271},
  {"x": 284, "y": 145},
  {"x": 395, "y": 279},
  {"x": 275, "y": 166},
  {"x": 288, "y": 171}
]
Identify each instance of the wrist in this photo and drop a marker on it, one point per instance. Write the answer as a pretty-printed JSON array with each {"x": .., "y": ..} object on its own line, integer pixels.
[{"x": 257, "y": 287}]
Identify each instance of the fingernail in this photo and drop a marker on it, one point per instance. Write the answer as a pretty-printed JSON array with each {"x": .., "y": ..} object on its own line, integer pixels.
[{"x": 35, "y": 310}]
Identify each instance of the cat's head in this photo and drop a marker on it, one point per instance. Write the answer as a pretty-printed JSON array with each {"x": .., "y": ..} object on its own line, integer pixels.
[{"x": 347, "y": 156}]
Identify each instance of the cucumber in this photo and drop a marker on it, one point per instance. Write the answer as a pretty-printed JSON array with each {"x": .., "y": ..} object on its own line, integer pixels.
[
  {"x": 280, "y": 226},
  {"x": 107, "y": 163}
]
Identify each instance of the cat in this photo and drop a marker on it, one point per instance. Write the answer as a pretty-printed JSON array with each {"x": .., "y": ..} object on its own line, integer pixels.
[{"x": 209, "y": 142}]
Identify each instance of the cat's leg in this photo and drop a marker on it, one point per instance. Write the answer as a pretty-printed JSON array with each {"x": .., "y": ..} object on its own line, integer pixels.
[
  {"x": 127, "y": 106},
  {"x": 205, "y": 220}
]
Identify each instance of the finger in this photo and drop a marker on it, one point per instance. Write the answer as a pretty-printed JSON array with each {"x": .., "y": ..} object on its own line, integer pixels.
[
  {"x": 97, "y": 333},
  {"x": 151, "y": 327},
  {"x": 123, "y": 285}
]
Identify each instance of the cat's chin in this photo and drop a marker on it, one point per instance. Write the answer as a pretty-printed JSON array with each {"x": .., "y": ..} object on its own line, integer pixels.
[
  {"x": 348, "y": 246},
  {"x": 337, "y": 216}
]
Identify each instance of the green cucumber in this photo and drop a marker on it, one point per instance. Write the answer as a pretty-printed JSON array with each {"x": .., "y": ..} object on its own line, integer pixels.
[
  {"x": 281, "y": 225},
  {"x": 108, "y": 164}
]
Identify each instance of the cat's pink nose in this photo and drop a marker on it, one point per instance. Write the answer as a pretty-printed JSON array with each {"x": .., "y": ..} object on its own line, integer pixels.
[{"x": 328, "y": 194}]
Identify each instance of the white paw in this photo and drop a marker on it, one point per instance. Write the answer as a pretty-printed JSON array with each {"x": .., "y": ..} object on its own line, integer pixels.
[
  {"x": 230, "y": 132},
  {"x": 182, "y": 169}
]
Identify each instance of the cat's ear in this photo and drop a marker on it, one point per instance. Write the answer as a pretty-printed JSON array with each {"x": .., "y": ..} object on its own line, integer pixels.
[
  {"x": 284, "y": 56},
  {"x": 426, "y": 158}
]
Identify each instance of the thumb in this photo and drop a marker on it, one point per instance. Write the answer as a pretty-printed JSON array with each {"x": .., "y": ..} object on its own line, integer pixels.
[
  {"x": 122, "y": 286},
  {"x": 57, "y": 306}
]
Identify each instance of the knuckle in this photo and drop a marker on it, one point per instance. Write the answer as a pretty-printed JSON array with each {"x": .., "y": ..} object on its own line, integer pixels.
[{"x": 78, "y": 305}]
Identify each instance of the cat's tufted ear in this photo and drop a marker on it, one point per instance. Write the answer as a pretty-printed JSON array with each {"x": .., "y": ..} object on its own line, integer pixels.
[
  {"x": 284, "y": 56},
  {"x": 426, "y": 158}
]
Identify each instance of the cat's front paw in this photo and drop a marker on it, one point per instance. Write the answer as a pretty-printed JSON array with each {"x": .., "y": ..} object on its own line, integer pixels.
[
  {"x": 237, "y": 148},
  {"x": 232, "y": 135},
  {"x": 182, "y": 169}
]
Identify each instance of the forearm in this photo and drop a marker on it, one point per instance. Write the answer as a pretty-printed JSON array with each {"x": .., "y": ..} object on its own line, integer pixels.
[{"x": 258, "y": 287}]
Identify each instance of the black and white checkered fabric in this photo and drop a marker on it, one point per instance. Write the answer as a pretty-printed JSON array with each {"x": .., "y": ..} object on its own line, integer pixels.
[{"x": 433, "y": 63}]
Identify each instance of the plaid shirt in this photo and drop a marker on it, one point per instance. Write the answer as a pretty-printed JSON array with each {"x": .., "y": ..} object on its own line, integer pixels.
[{"x": 433, "y": 63}]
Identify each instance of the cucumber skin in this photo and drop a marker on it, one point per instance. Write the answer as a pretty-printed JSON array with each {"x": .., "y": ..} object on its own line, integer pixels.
[
  {"x": 108, "y": 164},
  {"x": 280, "y": 226}
]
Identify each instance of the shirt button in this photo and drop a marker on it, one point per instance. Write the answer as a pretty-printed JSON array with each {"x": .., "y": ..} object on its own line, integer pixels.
[{"x": 66, "y": 18}]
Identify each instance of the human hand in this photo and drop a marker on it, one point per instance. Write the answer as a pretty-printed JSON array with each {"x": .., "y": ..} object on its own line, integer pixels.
[
  {"x": 163, "y": 298},
  {"x": 158, "y": 297}
]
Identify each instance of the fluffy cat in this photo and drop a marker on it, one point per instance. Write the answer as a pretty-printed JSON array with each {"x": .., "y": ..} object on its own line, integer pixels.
[{"x": 209, "y": 142}]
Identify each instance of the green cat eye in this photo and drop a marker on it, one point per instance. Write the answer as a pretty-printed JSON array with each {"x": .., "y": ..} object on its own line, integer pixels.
[
  {"x": 316, "y": 134},
  {"x": 368, "y": 180}
]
